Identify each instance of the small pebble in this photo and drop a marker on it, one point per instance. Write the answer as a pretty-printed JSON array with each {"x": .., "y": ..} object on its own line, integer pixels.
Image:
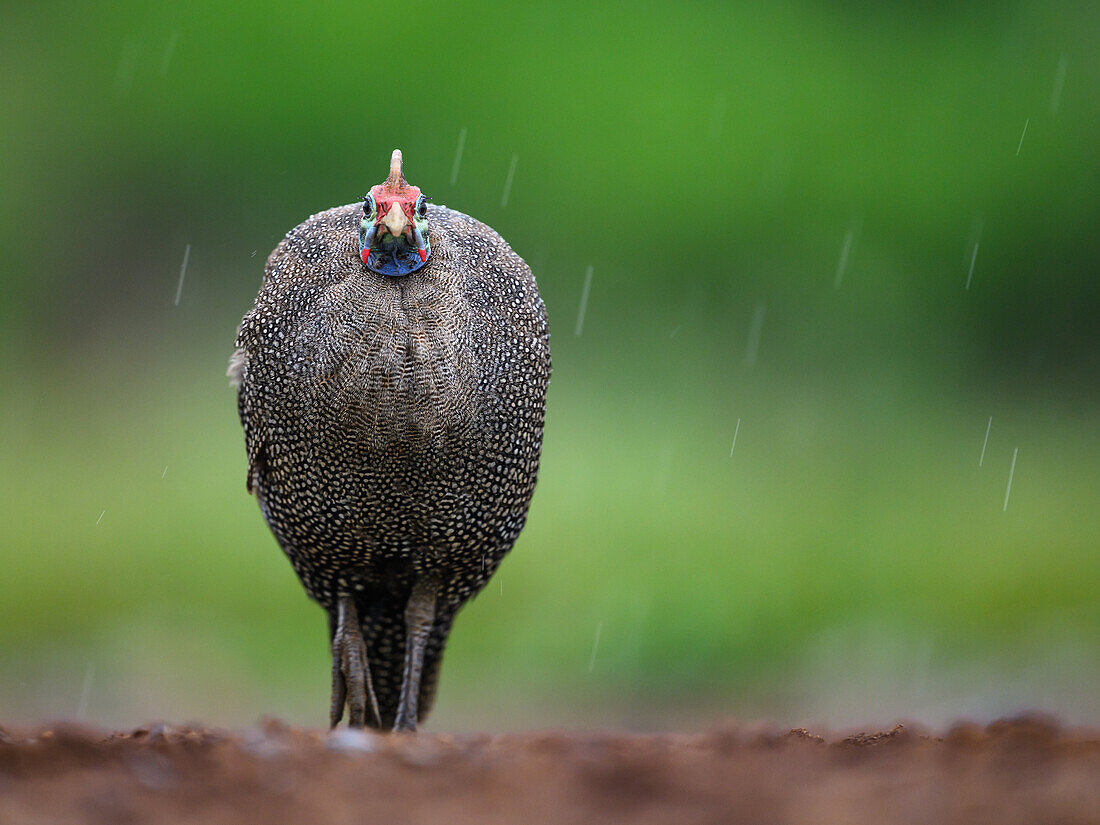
[{"x": 349, "y": 740}]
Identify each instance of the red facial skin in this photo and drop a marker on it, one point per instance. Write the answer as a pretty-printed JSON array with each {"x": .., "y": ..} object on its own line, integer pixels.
[{"x": 385, "y": 197}]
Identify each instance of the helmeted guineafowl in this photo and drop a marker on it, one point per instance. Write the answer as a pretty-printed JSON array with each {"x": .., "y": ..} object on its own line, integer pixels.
[{"x": 391, "y": 381}]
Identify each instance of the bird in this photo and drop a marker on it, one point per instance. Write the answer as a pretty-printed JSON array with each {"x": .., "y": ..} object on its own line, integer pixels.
[{"x": 391, "y": 381}]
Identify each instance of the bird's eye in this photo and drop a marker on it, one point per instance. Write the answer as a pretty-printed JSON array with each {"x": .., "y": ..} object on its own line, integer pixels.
[
  {"x": 368, "y": 206},
  {"x": 421, "y": 206}
]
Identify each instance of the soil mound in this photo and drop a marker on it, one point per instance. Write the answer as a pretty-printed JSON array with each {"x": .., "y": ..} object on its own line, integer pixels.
[{"x": 1027, "y": 770}]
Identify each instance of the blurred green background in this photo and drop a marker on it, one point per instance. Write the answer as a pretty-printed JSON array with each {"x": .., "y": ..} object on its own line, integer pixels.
[{"x": 859, "y": 238}]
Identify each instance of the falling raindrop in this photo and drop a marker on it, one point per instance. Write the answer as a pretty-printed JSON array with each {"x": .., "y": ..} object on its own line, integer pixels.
[
  {"x": 736, "y": 430},
  {"x": 981, "y": 459},
  {"x": 85, "y": 691},
  {"x": 584, "y": 301},
  {"x": 458, "y": 155},
  {"x": 183, "y": 272},
  {"x": 755, "y": 328},
  {"x": 595, "y": 647},
  {"x": 973, "y": 259},
  {"x": 168, "y": 52},
  {"x": 845, "y": 251},
  {"x": 508, "y": 181},
  {"x": 1011, "y": 472}
]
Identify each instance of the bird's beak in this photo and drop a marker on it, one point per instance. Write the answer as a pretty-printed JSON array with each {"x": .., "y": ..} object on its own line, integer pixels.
[{"x": 395, "y": 220}]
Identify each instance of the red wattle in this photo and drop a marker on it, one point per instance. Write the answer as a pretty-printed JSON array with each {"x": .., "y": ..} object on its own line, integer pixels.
[
  {"x": 423, "y": 254},
  {"x": 365, "y": 254}
]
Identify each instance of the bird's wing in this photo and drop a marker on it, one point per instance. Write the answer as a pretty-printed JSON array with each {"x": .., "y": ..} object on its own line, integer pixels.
[
  {"x": 250, "y": 416},
  {"x": 238, "y": 366}
]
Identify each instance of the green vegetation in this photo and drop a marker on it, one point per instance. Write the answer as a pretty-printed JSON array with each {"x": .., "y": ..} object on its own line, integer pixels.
[{"x": 709, "y": 161}]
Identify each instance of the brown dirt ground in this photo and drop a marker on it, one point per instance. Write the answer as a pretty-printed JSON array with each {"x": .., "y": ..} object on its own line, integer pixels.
[{"x": 1027, "y": 770}]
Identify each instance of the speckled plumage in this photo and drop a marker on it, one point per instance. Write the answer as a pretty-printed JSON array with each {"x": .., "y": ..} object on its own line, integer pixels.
[{"x": 393, "y": 425}]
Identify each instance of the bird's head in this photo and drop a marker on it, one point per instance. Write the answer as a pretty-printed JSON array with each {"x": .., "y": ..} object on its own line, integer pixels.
[{"x": 393, "y": 230}]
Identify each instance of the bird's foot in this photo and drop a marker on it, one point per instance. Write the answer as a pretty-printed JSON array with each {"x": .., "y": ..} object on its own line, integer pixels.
[{"x": 351, "y": 682}]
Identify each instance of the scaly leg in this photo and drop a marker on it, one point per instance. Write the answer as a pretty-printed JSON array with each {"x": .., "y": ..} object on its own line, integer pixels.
[
  {"x": 419, "y": 618},
  {"x": 351, "y": 682}
]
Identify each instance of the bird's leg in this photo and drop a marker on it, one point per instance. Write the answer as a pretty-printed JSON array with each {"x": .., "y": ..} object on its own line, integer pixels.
[
  {"x": 351, "y": 682},
  {"x": 419, "y": 618}
]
